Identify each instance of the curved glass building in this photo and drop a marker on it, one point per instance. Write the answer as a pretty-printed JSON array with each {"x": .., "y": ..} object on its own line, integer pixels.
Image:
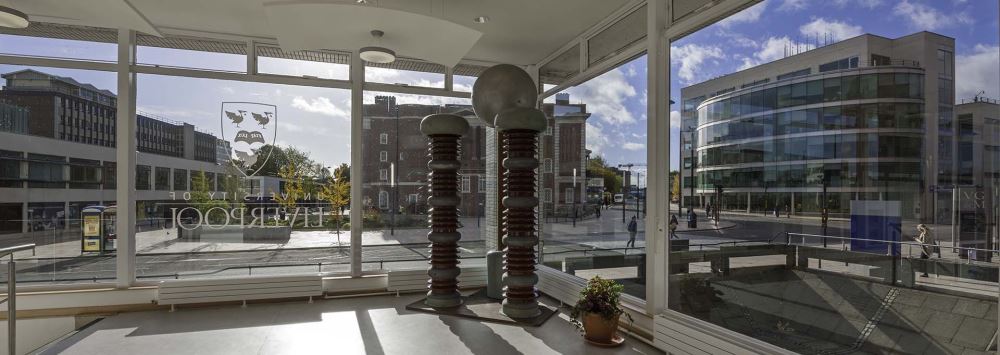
[{"x": 834, "y": 128}]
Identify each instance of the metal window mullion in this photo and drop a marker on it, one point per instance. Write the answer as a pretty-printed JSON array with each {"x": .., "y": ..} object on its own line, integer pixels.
[
  {"x": 657, "y": 155},
  {"x": 125, "y": 154},
  {"x": 357, "y": 78}
]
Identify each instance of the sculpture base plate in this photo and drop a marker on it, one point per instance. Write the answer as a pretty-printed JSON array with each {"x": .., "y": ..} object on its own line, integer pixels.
[{"x": 480, "y": 307}]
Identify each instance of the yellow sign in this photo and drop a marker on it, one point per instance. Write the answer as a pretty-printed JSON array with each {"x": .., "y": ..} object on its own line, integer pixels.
[{"x": 91, "y": 226}]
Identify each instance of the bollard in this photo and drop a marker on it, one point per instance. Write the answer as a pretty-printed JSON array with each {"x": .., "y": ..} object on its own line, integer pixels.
[{"x": 494, "y": 274}]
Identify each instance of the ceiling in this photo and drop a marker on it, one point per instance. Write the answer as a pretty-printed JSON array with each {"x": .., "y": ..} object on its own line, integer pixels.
[{"x": 519, "y": 32}]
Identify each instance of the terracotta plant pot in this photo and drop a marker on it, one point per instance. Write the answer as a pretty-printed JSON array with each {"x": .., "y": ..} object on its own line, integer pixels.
[{"x": 598, "y": 329}]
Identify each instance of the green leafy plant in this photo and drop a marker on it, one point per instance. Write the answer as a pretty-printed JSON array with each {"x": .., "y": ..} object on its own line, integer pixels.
[{"x": 600, "y": 296}]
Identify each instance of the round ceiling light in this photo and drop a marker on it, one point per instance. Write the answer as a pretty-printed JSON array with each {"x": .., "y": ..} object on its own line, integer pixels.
[
  {"x": 481, "y": 19},
  {"x": 377, "y": 54},
  {"x": 12, "y": 18}
]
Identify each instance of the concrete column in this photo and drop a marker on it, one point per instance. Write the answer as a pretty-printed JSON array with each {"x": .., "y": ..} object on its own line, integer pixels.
[
  {"x": 125, "y": 153},
  {"x": 657, "y": 155},
  {"x": 748, "y": 202},
  {"x": 65, "y": 215},
  {"x": 520, "y": 127},
  {"x": 445, "y": 132},
  {"x": 25, "y": 221}
]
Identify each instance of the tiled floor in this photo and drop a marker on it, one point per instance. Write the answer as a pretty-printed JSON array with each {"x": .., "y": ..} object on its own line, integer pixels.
[{"x": 372, "y": 325}]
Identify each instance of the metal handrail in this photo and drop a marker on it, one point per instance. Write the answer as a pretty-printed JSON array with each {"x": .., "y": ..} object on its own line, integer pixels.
[
  {"x": 887, "y": 241},
  {"x": 12, "y": 294}
]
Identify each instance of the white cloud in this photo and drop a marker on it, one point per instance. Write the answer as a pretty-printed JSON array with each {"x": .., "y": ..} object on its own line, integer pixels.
[
  {"x": 821, "y": 27},
  {"x": 605, "y": 97},
  {"x": 775, "y": 48},
  {"x": 924, "y": 17},
  {"x": 748, "y": 15},
  {"x": 690, "y": 57},
  {"x": 978, "y": 71},
  {"x": 597, "y": 141},
  {"x": 633, "y": 146},
  {"x": 869, "y": 4},
  {"x": 793, "y": 5},
  {"x": 675, "y": 119},
  {"x": 320, "y": 105}
]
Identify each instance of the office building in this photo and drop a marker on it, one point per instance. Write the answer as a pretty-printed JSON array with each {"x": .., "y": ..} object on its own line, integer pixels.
[{"x": 853, "y": 120}]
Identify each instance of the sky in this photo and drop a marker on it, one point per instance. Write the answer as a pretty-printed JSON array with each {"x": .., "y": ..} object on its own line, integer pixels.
[{"x": 317, "y": 120}]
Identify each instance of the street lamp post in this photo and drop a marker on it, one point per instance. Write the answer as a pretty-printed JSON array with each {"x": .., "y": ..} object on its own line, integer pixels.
[
  {"x": 625, "y": 185},
  {"x": 574, "y": 198},
  {"x": 638, "y": 186},
  {"x": 392, "y": 209}
]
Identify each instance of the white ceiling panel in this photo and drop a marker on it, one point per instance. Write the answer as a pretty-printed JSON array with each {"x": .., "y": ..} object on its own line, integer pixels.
[
  {"x": 94, "y": 13},
  {"x": 295, "y": 25}
]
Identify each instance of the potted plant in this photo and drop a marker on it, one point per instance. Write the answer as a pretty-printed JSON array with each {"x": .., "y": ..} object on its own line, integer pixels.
[{"x": 598, "y": 311}]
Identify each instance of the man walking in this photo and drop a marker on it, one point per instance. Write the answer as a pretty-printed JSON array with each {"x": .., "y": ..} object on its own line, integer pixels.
[
  {"x": 926, "y": 240},
  {"x": 633, "y": 228}
]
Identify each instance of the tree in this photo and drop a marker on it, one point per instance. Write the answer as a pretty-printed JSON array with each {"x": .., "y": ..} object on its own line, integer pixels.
[
  {"x": 203, "y": 202},
  {"x": 675, "y": 186},
  {"x": 293, "y": 188},
  {"x": 597, "y": 167},
  {"x": 337, "y": 191}
]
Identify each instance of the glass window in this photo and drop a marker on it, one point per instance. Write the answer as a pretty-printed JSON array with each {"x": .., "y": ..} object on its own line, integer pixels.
[
  {"x": 886, "y": 86},
  {"x": 832, "y": 90},
  {"x": 851, "y": 87},
  {"x": 815, "y": 89},
  {"x": 143, "y": 177},
  {"x": 868, "y": 86}
]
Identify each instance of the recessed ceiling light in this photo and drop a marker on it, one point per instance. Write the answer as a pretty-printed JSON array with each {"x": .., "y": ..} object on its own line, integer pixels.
[
  {"x": 481, "y": 19},
  {"x": 12, "y": 18}
]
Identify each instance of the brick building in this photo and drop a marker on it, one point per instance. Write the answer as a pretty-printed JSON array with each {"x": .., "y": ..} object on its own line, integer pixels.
[{"x": 403, "y": 157}]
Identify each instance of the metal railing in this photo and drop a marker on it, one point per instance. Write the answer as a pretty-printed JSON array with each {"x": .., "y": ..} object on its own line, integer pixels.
[
  {"x": 12, "y": 294},
  {"x": 910, "y": 245}
]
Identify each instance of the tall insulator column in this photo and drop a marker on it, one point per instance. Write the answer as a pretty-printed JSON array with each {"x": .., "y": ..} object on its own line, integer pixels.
[
  {"x": 444, "y": 131},
  {"x": 519, "y": 129}
]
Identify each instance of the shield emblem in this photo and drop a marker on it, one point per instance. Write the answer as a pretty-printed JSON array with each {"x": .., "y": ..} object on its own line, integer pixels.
[{"x": 248, "y": 126}]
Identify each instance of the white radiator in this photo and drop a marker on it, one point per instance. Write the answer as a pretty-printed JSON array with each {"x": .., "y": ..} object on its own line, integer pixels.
[
  {"x": 416, "y": 280},
  {"x": 173, "y": 292}
]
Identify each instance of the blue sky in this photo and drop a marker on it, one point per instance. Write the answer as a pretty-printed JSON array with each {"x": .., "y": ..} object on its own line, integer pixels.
[
  {"x": 759, "y": 34},
  {"x": 317, "y": 120}
]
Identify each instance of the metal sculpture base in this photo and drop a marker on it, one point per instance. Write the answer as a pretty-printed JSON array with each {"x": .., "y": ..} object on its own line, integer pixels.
[{"x": 479, "y": 307}]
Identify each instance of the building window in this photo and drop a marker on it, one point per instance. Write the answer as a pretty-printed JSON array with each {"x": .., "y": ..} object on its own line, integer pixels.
[
  {"x": 946, "y": 63},
  {"x": 180, "y": 179},
  {"x": 482, "y": 184},
  {"x": 142, "y": 177},
  {"x": 466, "y": 184},
  {"x": 547, "y": 165},
  {"x": 383, "y": 138},
  {"x": 383, "y": 174},
  {"x": 162, "y": 179},
  {"x": 569, "y": 195},
  {"x": 367, "y": 124},
  {"x": 547, "y": 195},
  {"x": 383, "y": 156},
  {"x": 383, "y": 200}
]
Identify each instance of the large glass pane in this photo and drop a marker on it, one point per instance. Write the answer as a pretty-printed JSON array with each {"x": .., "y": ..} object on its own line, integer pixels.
[
  {"x": 395, "y": 182},
  {"x": 241, "y": 179},
  {"x": 594, "y": 178},
  {"x": 858, "y": 225},
  {"x": 57, "y": 162}
]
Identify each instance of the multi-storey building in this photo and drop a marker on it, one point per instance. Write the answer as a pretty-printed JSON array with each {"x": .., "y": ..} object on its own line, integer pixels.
[
  {"x": 57, "y": 155},
  {"x": 857, "y": 119},
  {"x": 65, "y": 109},
  {"x": 403, "y": 157}
]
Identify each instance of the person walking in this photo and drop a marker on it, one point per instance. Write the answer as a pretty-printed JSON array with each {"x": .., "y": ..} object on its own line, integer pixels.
[
  {"x": 597, "y": 210},
  {"x": 926, "y": 240},
  {"x": 673, "y": 226},
  {"x": 632, "y": 228}
]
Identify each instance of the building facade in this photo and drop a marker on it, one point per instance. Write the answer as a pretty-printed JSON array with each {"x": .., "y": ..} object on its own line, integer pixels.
[
  {"x": 57, "y": 154},
  {"x": 395, "y": 165},
  {"x": 854, "y": 120}
]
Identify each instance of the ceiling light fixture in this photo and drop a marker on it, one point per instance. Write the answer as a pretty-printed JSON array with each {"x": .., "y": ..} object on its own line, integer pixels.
[
  {"x": 12, "y": 18},
  {"x": 377, "y": 54},
  {"x": 481, "y": 19}
]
